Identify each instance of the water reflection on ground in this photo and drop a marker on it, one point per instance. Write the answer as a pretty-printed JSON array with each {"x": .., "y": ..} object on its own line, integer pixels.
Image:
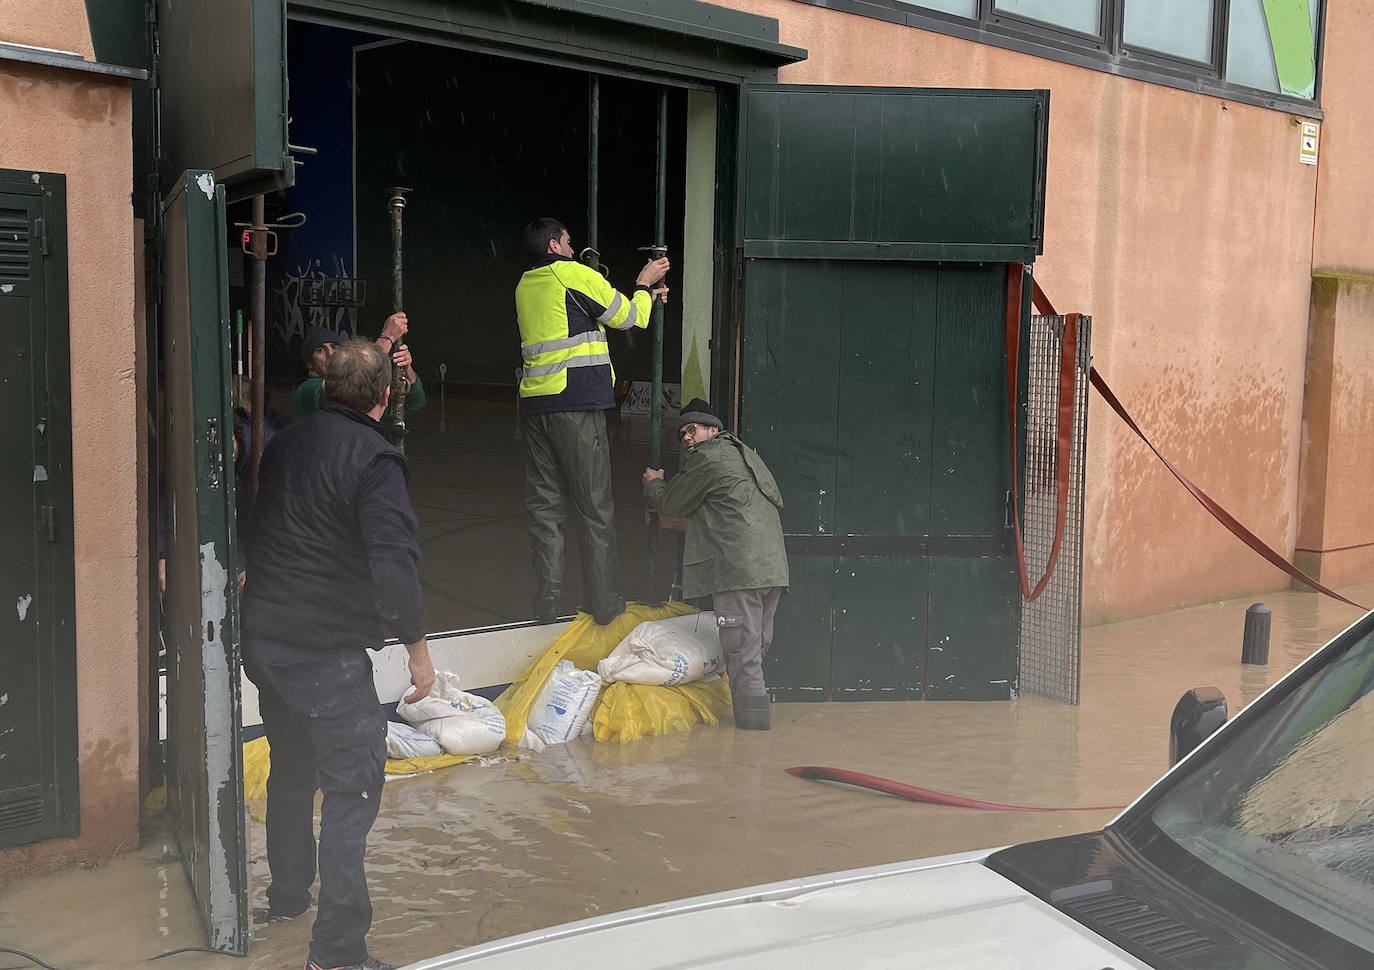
[{"x": 475, "y": 853}]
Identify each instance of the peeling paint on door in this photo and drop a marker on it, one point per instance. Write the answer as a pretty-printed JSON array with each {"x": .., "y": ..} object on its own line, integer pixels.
[
  {"x": 221, "y": 680},
  {"x": 22, "y": 606}
]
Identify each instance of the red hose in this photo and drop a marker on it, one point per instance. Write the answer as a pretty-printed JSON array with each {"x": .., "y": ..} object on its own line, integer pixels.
[{"x": 914, "y": 794}]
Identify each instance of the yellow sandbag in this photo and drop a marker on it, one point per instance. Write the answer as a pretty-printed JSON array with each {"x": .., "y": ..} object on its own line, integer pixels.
[
  {"x": 623, "y": 712},
  {"x": 257, "y": 763},
  {"x": 585, "y": 644},
  {"x": 155, "y": 802},
  {"x": 628, "y": 712}
]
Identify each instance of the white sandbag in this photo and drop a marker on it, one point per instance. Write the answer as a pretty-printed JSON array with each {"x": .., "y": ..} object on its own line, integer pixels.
[
  {"x": 666, "y": 653},
  {"x": 462, "y": 723},
  {"x": 404, "y": 741},
  {"x": 564, "y": 703}
]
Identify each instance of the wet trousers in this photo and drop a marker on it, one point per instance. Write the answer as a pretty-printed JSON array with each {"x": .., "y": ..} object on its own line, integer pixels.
[
  {"x": 327, "y": 731},
  {"x": 568, "y": 459},
  {"x": 745, "y": 619}
]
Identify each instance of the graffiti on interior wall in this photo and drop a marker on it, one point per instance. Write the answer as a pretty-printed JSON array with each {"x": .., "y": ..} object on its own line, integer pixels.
[{"x": 298, "y": 305}]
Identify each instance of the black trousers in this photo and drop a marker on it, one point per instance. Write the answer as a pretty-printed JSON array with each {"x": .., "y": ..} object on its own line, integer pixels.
[
  {"x": 568, "y": 459},
  {"x": 327, "y": 732}
]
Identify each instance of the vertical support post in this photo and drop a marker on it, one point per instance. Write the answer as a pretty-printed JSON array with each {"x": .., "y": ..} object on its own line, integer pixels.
[
  {"x": 258, "y": 369},
  {"x": 656, "y": 318},
  {"x": 593, "y": 161},
  {"x": 400, "y": 386}
]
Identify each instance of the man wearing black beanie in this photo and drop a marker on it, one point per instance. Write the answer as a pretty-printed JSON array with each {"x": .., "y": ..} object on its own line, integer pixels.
[{"x": 734, "y": 548}]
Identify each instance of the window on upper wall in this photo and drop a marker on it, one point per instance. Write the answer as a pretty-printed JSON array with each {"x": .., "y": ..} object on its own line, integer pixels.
[
  {"x": 1262, "y": 51},
  {"x": 1083, "y": 16}
]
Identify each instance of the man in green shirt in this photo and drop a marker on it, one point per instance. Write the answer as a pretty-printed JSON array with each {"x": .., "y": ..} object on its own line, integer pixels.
[
  {"x": 319, "y": 345},
  {"x": 734, "y": 549}
]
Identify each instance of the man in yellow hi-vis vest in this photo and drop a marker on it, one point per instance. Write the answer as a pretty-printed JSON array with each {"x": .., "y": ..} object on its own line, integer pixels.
[{"x": 566, "y": 386}]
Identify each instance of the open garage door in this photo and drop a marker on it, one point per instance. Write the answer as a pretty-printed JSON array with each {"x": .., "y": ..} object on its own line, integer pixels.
[
  {"x": 204, "y": 756},
  {"x": 877, "y": 224}
]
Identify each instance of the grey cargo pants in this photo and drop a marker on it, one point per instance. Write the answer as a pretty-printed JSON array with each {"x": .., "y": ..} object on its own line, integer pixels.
[
  {"x": 567, "y": 456},
  {"x": 745, "y": 618}
]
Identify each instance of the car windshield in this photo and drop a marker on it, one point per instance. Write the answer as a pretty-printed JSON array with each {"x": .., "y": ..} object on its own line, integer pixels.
[{"x": 1283, "y": 808}]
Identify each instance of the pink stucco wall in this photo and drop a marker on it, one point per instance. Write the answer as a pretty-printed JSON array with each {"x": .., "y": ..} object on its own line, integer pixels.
[
  {"x": 55, "y": 24},
  {"x": 78, "y": 124},
  {"x": 1337, "y": 530}
]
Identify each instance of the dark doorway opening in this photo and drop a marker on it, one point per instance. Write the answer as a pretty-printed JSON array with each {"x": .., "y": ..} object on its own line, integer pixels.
[{"x": 485, "y": 143}]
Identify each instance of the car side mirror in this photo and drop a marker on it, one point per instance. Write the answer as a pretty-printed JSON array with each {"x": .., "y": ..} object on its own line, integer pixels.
[{"x": 1196, "y": 717}]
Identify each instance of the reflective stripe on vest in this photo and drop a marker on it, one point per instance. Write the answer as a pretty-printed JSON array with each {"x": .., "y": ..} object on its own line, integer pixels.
[
  {"x": 563, "y": 343},
  {"x": 582, "y": 360}
]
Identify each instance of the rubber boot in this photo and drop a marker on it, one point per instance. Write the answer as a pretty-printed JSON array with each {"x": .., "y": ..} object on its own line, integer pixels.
[
  {"x": 608, "y": 614},
  {"x": 548, "y": 608},
  {"x": 752, "y": 712}
]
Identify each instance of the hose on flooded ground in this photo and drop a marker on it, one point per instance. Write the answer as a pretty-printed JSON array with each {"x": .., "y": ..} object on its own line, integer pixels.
[{"x": 913, "y": 794}]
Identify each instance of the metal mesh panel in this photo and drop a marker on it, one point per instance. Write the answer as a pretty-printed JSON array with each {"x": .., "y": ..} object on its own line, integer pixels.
[{"x": 1051, "y": 626}]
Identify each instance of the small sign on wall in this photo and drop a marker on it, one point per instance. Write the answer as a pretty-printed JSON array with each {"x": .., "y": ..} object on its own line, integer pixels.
[{"x": 1307, "y": 151}]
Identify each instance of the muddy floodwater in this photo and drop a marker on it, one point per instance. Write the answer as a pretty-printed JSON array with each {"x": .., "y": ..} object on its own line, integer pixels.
[{"x": 475, "y": 853}]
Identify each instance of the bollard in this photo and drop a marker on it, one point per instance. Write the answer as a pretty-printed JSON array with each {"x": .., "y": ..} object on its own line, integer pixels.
[{"x": 1255, "y": 647}]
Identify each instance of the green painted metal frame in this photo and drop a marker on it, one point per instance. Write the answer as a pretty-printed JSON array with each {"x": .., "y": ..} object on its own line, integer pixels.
[
  {"x": 56, "y": 606},
  {"x": 204, "y": 754},
  {"x": 665, "y": 41},
  {"x": 203, "y": 82}
]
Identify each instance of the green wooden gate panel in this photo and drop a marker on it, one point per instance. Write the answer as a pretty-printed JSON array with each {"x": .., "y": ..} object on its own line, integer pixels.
[
  {"x": 970, "y": 451},
  {"x": 974, "y": 624},
  {"x": 879, "y": 645},
  {"x": 886, "y": 385},
  {"x": 876, "y": 224},
  {"x": 896, "y": 173},
  {"x": 222, "y": 88},
  {"x": 38, "y": 729},
  {"x": 204, "y": 754},
  {"x": 798, "y": 666},
  {"x": 790, "y": 385}
]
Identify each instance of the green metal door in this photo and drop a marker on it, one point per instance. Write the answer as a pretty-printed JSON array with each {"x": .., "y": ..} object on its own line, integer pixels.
[
  {"x": 38, "y": 739},
  {"x": 876, "y": 228},
  {"x": 204, "y": 755}
]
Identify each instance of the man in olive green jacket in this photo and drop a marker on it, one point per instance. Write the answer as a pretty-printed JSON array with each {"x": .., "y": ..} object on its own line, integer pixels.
[{"x": 734, "y": 549}]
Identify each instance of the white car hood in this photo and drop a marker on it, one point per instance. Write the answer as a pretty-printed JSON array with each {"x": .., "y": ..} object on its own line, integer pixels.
[{"x": 949, "y": 912}]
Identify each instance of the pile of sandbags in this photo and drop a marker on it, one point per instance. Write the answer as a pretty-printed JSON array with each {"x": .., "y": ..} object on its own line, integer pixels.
[{"x": 660, "y": 667}]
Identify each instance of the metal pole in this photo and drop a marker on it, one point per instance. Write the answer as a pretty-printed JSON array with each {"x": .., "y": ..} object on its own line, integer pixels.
[
  {"x": 259, "y": 346},
  {"x": 593, "y": 162},
  {"x": 400, "y": 386},
  {"x": 656, "y": 318}
]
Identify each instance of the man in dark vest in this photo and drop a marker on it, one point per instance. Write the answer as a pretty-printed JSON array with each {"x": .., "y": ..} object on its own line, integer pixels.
[
  {"x": 734, "y": 549},
  {"x": 335, "y": 572}
]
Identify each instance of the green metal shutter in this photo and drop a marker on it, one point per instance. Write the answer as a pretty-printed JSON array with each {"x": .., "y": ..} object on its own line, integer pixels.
[
  {"x": 876, "y": 227},
  {"x": 38, "y": 698}
]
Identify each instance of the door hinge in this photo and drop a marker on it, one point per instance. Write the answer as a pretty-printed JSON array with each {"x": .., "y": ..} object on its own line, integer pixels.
[
  {"x": 50, "y": 520},
  {"x": 41, "y": 226},
  {"x": 212, "y": 439},
  {"x": 739, "y": 265}
]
